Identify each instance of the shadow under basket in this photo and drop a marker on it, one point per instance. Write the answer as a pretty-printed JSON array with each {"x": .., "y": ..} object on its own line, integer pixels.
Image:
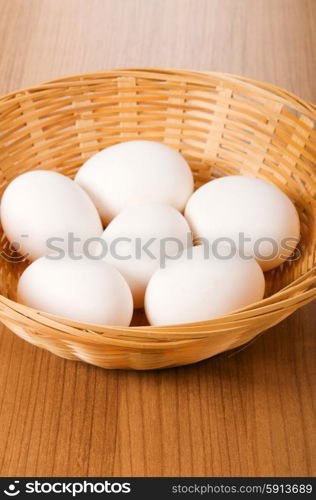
[{"x": 223, "y": 125}]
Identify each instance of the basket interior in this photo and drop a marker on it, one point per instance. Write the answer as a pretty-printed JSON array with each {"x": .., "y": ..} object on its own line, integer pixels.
[{"x": 221, "y": 126}]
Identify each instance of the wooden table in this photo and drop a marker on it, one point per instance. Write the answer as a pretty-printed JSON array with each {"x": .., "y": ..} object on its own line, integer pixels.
[{"x": 244, "y": 413}]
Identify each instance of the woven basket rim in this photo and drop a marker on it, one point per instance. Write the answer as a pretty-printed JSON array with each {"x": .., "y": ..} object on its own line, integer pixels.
[
  {"x": 265, "y": 88},
  {"x": 279, "y": 299}
]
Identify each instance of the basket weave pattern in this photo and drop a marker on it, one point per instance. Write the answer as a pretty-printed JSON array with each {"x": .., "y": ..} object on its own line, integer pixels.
[{"x": 223, "y": 125}]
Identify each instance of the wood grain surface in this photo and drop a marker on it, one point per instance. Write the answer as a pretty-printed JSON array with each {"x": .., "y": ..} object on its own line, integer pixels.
[{"x": 244, "y": 413}]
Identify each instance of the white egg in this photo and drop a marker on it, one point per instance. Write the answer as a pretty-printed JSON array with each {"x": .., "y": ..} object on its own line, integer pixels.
[
  {"x": 135, "y": 172},
  {"x": 40, "y": 205},
  {"x": 250, "y": 213},
  {"x": 140, "y": 239},
  {"x": 197, "y": 288},
  {"x": 86, "y": 290}
]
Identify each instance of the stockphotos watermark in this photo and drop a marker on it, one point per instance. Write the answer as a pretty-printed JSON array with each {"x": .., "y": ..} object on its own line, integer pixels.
[
  {"x": 160, "y": 249},
  {"x": 71, "y": 488}
]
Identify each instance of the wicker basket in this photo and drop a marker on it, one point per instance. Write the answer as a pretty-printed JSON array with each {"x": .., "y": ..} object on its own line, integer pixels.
[{"x": 223, "y": 125}]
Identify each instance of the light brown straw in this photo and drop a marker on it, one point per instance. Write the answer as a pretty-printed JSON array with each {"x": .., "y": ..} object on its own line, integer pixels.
[{"x": 223, "y": 125}]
